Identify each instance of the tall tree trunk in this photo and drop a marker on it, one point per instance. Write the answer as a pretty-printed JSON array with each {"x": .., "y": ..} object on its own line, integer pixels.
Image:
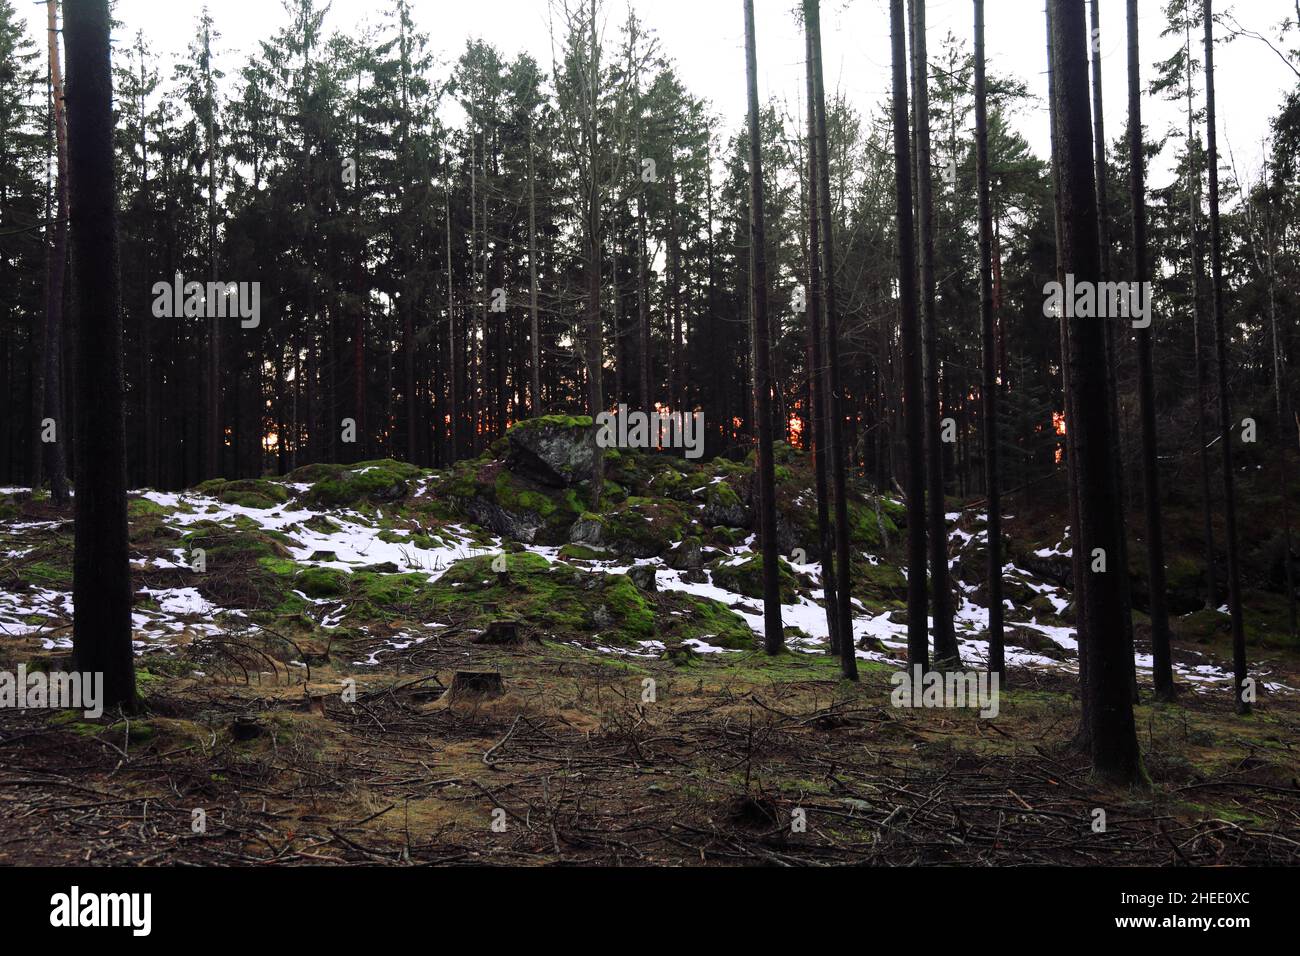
[
  {"x": 1110, "y": 326},
  {"x": 534, "y": 321},
  {"x": 989, "y": 389},
  {"x": 918, "y": 650},
  {"x": 56, "y": 465},
  {"x": 215, "y": 439},
  {"x": 1163, "y": 673},
  {"x": 945, "y": 638},
  {"x": 831, "y": 391},
  {"x": 773, "y": 635},
  {"x": 1281, "y": 408},
  {"x": 816, "y": 364},
  {"x": 1221, "y": 348},
  {"x": 453, "y": 342},
  {"x": 1079, "y": 580},
  {"x": 1198, "y": 342},
  {"x": 595, "y": 324},
  {"x": 101, "y": 567},
  {"x": 644, "y": 357},
  {"x": 1115, "y": 754}
]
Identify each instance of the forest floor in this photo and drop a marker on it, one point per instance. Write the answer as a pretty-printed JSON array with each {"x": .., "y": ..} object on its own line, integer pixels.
[{"x": 635, "y": 726}]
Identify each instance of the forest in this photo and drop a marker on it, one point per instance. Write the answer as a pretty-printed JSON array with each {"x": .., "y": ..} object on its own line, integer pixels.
[{"x": 517, "y": 462}]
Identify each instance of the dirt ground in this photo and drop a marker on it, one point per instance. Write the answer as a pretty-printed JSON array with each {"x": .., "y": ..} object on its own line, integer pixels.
[{"x": 742, "y": 760}]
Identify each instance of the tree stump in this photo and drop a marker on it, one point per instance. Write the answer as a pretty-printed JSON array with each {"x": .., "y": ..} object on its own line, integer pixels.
[
  {"x": 475, "y": 684},
  {"x": 504, "y": 631},
  {"x": 245, "y": 727}
]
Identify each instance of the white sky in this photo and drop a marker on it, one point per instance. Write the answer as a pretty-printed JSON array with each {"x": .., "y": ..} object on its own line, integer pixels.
[{"x": 705, "y": 38}]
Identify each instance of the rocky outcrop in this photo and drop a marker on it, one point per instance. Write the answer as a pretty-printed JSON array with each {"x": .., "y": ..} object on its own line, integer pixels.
[{"x": 558, "y": 451}]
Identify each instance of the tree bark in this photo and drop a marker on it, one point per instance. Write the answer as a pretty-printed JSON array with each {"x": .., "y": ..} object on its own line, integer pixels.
[
  {"x": 816, "y": 368},
  {"x": 1163, "y": 674},
  {"x": 534, "y": 326},
  {"x": 989, "y": 389},
  {"x": 1110, "y": 326},
  {"x": 773, "y": 634},
  {"x": 918, "y": 650},
  {"x": 832, "y": 394},
  {"x": 56, "y": 464},
  {"x": 1198, "y": 347},
  {"x": 101, "y": 568},
  {"x": 1115, "y": 753},
  {"x": 1221, "y": 348},
  {"x": 945, "y": 640}
]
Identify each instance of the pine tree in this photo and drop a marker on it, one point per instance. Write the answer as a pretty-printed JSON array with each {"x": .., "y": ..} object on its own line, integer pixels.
[
  {"x": 773, "y": 635},
  {"x": 918, "y": 649},
  {"x": 1115, "y": 753},
  {"x": 1239, "y": 670},
  {"x": 102, "y": 593},
  {"x": 1162, "y": 664},
  {"x": 989, "y": 388}
]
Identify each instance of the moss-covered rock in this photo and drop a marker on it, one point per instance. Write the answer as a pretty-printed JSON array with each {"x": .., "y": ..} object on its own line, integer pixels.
[
  {"x": 321, "y": 582},
  {"x": 746, "y": 577},
  {"x": 556, "y": 450},
  {"x": 638, "y": 528},
  {"x": 369, "y": 481},
  {"x": 560, "y": 601},
  {"x": 246, "y": 492}
]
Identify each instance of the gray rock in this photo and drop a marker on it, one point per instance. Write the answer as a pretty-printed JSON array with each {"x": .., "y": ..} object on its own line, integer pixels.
[
  {"x": 686, "y": 556},
  {"x": 643, "y": 576},
  {"x": 589, "y": 531},
  {"x": 521, "y": 526},
  {"x": 552, "y": 452}
]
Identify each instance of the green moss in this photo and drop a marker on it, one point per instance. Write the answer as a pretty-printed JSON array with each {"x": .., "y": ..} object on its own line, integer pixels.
[
  {"x": 310, "y": 474},
  {"x": 227, "y": 545},
  {"x": 644, "y": 527},
  {"x": 629, "y": 607},
  {"x": 879, "y": 582},
  {"x": 281, "y": 566},
  {"x": 721, "y": 493},
  {"x": 578, "y": 552},
  {"x": 386, "y": 593},
  {"x": 553, "y": 421},
  {"x": 746, "y": 577},
  {"x": 143, "y": 507},
  {"x": 45, "y": 574},
  {"x": 375, "y": 479},
  {"x": 557, "y": 600},
  {"x": 321, "y": 582},
  {"x": 717, "y": 624}
]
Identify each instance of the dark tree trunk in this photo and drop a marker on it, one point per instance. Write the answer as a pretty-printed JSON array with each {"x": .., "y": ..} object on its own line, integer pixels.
[
  {"x": 1111, "y": 325},
  {"x": 945, "y": 639},
  {"x": 918, "y": 650},
  {"x": 1198, "y": 341},
  {"x": 534, "y": 323},
  {"x": 101, "y": 569},
  {"x": 816, "y": 364},
  {"x": 644, "y": 356},
  {"x": 1221, "y": 348},
  {"x": 773, "y": 635},
  {"x": 832, "y": 393},
  {"x": 989, "y": 389},
  {"x": 214, "y": 436},
  {"x": 56, "y": 463},
  {"x": 1078, "y": 578},
  {"x": 453, "y": 345},
  {"x": 1163, "y": 673},
  {"x": 1115, "y": 754}
]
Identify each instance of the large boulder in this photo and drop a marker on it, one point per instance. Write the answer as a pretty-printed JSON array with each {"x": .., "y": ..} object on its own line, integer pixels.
[
  {"x": 557, "y": 450},
  {"x": 637, "y": 528}
]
